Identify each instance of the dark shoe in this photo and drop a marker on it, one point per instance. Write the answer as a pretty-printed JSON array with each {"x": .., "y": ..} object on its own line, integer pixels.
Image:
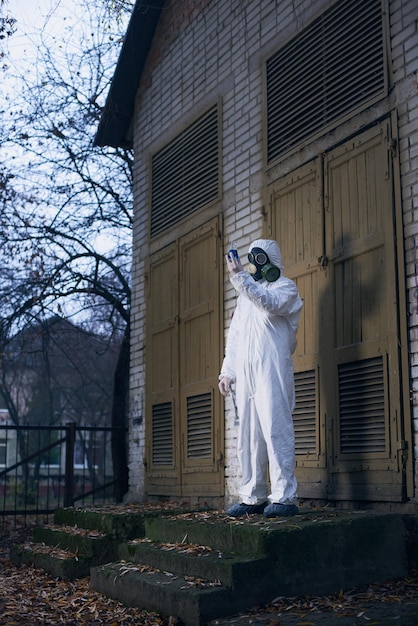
[
  {"x": 280, "y": 510},
  {"x": 238, "y": 510}
]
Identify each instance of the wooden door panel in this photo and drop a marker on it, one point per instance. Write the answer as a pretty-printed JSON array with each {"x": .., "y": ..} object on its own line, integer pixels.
[
  {"x": 200, "y": 342},
  {"x": 359, "y": 298},
  {"x": 162, "y": 459},
  {"x": 359, "y": 221},
  {"x": 297, "y": 224},
  {"x": 307, "y": 338},
  {"x": 163, "y": 347}
]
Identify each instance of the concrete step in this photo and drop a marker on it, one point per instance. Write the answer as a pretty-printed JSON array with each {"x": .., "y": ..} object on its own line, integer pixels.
[
  {"x": 197, "y": 561},
  {"x": 60, "y": 563},
  {"x": 119, "y": 521},
  {"x": 194, "y": 601},
  {"x": 246, "y": 537},
  {"x": 240, "y": 563},
  {"x": 81, "y": 538},
  {"x": 90, "y": 543},
  {"x": 340, "y": 544},
  {"x": 122, "y": 524},
  {"x": 65, "y": 551}
]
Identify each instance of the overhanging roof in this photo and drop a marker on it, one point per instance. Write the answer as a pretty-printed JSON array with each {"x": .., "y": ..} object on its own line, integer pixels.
[{"x": 115, "y": 123}]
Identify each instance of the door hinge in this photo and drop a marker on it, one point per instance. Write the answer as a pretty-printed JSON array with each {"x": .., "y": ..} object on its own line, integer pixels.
[
  {"x": 403, "y": 446},
  {"x": 393, "y": 147},
  {"x": 402, "y": 455},
  {"x": 323, "y": 262}
]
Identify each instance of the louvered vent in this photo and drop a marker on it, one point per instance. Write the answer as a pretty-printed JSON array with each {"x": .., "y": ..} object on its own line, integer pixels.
[
  {"x": 336, "y": 65},
  {"x": 162, "y": 434},
  {"x": 199, "y": 426},
  {"x": 304, "y": 415},
  {"x": 362, "y": 406},
  {"x": 185, "y": 174}
]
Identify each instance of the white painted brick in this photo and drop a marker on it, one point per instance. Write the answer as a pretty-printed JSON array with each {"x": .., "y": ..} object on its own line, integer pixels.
[{"x": 407, "y": 33}]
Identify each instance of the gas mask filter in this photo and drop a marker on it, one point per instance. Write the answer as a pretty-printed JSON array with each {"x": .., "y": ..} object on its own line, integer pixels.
[{"x": 260, "y": 266}]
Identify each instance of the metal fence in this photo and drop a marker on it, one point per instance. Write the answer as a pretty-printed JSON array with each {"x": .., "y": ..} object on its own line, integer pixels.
[{"x": 43, "y": 468}]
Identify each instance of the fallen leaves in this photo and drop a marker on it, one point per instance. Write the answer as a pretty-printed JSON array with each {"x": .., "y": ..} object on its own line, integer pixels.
[
  {"x": 77, "y": 531},
  {"x": 32, "y": 596},
  {"x": 201, "y": 583},
  {"x": 55, "y": 551},
  {"x": 403, "y": 590},
  {"x": 191, "y": 581},
  {"x": 190, "y": 549}
]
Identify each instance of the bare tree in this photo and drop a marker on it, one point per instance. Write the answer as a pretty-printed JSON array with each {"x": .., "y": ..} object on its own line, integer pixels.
[
  {"x": 8, "y": 23},
  {"x": 65, "y": 229}
]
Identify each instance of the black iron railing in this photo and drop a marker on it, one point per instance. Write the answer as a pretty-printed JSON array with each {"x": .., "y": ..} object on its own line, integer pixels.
[{"x": 46, "y": 467}]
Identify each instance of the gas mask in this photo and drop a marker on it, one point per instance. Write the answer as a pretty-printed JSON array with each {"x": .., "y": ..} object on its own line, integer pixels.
[{"x": 260, "y": 266}]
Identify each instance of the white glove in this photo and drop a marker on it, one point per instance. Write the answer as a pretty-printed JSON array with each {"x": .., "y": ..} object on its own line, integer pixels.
[
  {"x": 233, "y": 264},
  {"x": 225, "y": 385}
]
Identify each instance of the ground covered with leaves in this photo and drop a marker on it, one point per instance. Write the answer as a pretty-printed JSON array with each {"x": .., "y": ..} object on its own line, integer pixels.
[{"x": 32, "y": 596}]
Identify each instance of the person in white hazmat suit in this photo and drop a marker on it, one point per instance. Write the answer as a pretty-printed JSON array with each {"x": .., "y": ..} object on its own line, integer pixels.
[{"x": 258, "y": 358}]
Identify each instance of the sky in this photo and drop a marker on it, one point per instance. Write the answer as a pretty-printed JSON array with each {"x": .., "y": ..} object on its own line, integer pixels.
[
  {"x": 32, "y": 16},
  {"x": 48, "y": 19},
  {"x": 36, "y": 19}
]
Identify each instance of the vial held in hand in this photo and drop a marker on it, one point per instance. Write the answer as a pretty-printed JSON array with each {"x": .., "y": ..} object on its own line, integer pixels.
[{"x": 233, "y": 251}]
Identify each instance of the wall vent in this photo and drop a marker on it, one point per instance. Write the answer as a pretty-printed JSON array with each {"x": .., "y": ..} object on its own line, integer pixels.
[
  {"x": 362, "y": 406},
  {"x": 333, "y": 67},
  {"x": 304, "y": 415},
  {"x": 162, "y": 434},
  {"x": 199, "y": 426},
  {"x": 185, "y": 174}
]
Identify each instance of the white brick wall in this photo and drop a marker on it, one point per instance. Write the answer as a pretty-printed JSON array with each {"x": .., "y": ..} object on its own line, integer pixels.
[
  {"x": 221, "y": 53},
  {"x": 404, "y": 43}
]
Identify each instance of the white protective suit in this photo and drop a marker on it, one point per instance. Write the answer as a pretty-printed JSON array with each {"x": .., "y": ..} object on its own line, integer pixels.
[{"x": 258, "y": 357}]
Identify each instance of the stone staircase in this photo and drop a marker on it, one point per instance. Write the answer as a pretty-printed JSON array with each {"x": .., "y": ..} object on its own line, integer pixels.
[
  {"x": 202, "y": 565},
  {"x": 81, "y": 538}
]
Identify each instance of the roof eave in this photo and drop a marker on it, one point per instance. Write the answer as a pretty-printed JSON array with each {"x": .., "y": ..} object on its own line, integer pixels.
[{"x": 115, "y": 126}]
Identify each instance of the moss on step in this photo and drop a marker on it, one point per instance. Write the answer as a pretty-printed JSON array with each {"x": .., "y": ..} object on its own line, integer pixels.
[{"x": 60, "y": 563}]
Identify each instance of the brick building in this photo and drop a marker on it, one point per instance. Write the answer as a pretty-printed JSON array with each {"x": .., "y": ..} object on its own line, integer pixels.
[{"x": 294, "y": 120}]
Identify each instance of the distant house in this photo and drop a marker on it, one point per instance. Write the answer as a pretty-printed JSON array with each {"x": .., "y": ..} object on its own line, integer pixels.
[
  {"x": 54, "y": 373},
  {"x": 296, "y": 121}
]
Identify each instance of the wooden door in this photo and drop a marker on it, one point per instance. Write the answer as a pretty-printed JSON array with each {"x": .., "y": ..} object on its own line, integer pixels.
[
  {"x": 184, "y": 428},
  {"x": 338, "y": 240},
  {"x": 298, "y": 225},
  {"x": 367, "y": 415}
]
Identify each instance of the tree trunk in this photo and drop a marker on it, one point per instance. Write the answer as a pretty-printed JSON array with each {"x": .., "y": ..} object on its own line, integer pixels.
[{"x": 120, "y": 419}]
